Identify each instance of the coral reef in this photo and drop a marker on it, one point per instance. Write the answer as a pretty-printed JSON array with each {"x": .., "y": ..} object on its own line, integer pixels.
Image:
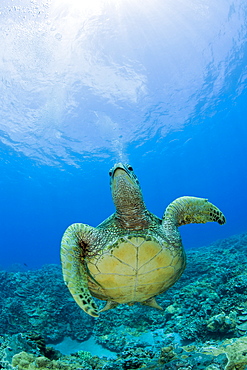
[
  {"x": 38, "y": 301},
  {"x": 221, "y": 324},
  {"x": 203, "y": 324}
]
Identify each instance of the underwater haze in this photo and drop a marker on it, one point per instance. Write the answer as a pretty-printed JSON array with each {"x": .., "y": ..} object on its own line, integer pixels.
[{"x": 159, "y": 84}]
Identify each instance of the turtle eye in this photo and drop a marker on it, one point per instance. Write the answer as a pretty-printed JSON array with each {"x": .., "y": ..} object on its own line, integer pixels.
[
  {"x": 130, "y": 168},
  {"x": 110, "y": 173}
]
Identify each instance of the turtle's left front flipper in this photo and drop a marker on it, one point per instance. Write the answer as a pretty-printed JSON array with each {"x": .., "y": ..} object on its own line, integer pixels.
[
  {"x": 77, "y": 242},
  {"x": 187, "y": 210}
]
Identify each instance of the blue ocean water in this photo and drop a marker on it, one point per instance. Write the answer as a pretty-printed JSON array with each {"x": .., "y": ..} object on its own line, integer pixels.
[{"x": 158, "y": 84}]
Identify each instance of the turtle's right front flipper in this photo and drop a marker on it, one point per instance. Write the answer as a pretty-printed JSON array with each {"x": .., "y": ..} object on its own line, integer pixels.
[{"x": 74, "y": 247}]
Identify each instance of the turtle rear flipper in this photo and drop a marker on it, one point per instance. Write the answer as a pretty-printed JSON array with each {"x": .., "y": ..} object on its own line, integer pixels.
[
  {"x": 109, "y": 305},
  {"x": 73, "y": 266},
  {"x": 152, "y": 303}
]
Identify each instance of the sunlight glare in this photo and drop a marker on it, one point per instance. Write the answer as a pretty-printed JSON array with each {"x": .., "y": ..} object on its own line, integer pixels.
[{"x": 80, "y": 6}]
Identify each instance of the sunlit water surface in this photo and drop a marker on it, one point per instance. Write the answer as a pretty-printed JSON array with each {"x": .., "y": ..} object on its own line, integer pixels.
[{"x": 160, "y": 84}]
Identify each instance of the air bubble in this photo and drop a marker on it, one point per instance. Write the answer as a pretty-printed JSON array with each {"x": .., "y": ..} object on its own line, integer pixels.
[{"x": 58, "y": 36}]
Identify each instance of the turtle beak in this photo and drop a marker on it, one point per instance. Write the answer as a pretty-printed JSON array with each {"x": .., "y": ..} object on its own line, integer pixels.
[
  {"x": 120, "y": 172},
  {"x": 115, "y": 167},
  {"x": 122, "y": 175}
]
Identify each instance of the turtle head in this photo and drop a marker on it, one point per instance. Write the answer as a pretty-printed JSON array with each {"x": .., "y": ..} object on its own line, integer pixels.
[
  {"x": 126, "y": 191},
  {"x": 123, "y": 172}
]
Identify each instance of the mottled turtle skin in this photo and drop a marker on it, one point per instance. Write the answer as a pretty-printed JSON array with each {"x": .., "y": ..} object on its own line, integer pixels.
[{"x": 133, "y": 255}]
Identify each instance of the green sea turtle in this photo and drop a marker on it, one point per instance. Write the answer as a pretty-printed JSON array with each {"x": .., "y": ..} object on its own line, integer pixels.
[{"x": 133, "y": 255}]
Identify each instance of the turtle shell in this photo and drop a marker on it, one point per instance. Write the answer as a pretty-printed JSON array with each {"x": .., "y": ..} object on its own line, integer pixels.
[{"x": 134, "y": 269}]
